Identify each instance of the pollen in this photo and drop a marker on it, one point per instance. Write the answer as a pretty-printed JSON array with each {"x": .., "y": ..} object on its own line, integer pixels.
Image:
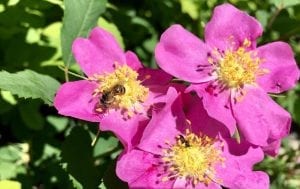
[
  {"x": 235, "y": 68},
  {"x": 193, "y": 158},
  {"x": 134, "y": 93}
]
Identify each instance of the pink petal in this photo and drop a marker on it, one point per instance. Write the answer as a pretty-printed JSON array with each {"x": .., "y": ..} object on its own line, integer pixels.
[
  {"x": 133, "y": 61},
  {"x": 217, "y": 104},
  {"x": 237, "y": 171},
  {"x": 242, "y": 155},
  {"x": 98, "y": 53},
  {"x": 283, "y": 73},
  {"x": 156, "y": 77},
  {"x": 75, "y": 99},
  {"x": 138, "y": 169},
  {"x": 229, "y": 25},
  {"x": 164, "y": 124},
  {"x": 200, "y": 120},
  {"x": 273, "y": 148},
  {"x": 259, "y": 118},
  {"x": 129, "y": 131},
  {"x": 129, "y": 171},
  {"x": 250, "y": 180},
  {"x": 209, "y": 186},
  {"x": 181, "y": 183},
  {"x": 180, "y": 53},
  {"x": 156, "y": 95}
]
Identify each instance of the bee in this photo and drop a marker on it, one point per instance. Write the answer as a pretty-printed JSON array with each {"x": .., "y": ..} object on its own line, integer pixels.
[
  {"x": 184, "y": 141},
  {"x": 108, "y": 97}
]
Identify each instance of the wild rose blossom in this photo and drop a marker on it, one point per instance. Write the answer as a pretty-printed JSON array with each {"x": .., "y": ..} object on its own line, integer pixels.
[
  {"x": 233, "y": 76},
  {"x": 189, "y": 151},
  {"x": 118, "y": 91}
]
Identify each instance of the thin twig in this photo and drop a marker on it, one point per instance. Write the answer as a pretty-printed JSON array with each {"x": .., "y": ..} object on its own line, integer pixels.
[
  {"x": 277, "y": 95},
  {"x": 66, "y": 70},
  {"x": 276, "y": 13},
  {"x": 95, "y": 139}
]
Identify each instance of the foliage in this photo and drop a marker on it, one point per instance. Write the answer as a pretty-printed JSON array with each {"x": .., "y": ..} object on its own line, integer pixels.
[
  {"x": 38, "y": 147},
  {"x": 29, "y": 84},
  {"x": 79, "y": 18}
]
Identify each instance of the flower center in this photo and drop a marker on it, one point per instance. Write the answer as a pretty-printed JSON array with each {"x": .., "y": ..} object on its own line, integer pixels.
[
  {"x": 193, "y": 158},
  {"x": 120, "y": 89},
  {"x": 235, "y": 68}
]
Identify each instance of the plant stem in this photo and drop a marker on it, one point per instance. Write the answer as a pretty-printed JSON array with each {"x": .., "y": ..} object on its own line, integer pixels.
[
  {"x": 276, "y": 13},
  {"x": 66, "y": 71},
  {"x": 95, "y": 139}
]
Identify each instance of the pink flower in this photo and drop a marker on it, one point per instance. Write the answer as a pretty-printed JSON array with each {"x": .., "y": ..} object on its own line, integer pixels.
[
  {"x": 118, "y": 92},
  {"x": 233, "y": 76},
  {"x": 189, "y": 151}
]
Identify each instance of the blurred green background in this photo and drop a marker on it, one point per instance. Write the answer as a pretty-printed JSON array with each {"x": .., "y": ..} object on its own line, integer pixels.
[{"x": 40, "y": 149}]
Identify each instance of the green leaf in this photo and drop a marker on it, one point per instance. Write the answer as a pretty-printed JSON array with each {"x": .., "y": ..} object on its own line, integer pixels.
[
  {"x": 59, "y": 123},
  {"x": 8, "y": 97},
  {"x": 56, "y": 2},
  {"x": 49, "y": 152},
  {"x": 75, "y": 182},
  {"x": 190, "y": 7},
  {"x": 296, "y": 112},
  {"x": 8, "y": 184},
  {"x": 7, "y": 170},
  {"x": 102, "y": 186},
  {"x": 263, "y": 17},
  {"x": 29, "y": 84},
  {"x": 52, "y": 34},
  {"x": 80, "y": 16},
  {"x": 112, "y": 28},
  {"x": 9, "y": 153},
  {"x": 13, "y": 157},
  {"x": 31, "y": 116},
  {"x": 77, "y": 152},
  {"x": 12, "y": 2},
  {"x": 104, "y": 145},
  {"x": 5, "y": 106},
  {"x": 280, "y": 4},
  {"x": 111, "y": 180}
]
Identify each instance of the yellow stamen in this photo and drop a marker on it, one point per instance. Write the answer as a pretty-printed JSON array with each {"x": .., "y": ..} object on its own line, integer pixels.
[
  {"x": 135, "y": 92},
  {"x": 194, "y": 158},
  {"x": 239, "y": 67},
  {"x": 246, "y": 43}
]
